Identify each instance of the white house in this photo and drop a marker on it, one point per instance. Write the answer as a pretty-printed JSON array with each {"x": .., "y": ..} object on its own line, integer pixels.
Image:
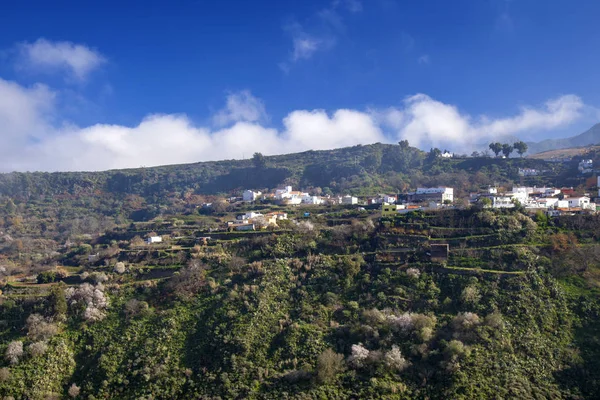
[
  {"x": 389, "y": 199},
  {"x": 311, "y": 200},
  {"x": 440, "y": 194},
  {"x": 249, "y": 215},
  {"x": 153, "y": 239},
  {"x": 502, "y": 202},
  {"x": 447, "y": 154},
  {"x": 581, "y": 202},
  {"x": 349, "y": 200},
  {"x": 493, "y": 190},
  {"x": 250, "y": 195}
]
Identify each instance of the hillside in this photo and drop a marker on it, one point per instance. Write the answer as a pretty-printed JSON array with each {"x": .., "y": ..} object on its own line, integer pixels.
[
  {"x": 332, "y": 301},
  {"x": 565, "y": 153},
  {"x": 338, "y": 306},
  {"x": 589, "y": 137}
]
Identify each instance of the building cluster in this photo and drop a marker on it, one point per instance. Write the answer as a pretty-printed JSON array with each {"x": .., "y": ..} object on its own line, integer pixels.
[
  {"x": 553, "y": 201},
  {"x": 421, "y": 199},
  {"x": 288, "y": 196}
]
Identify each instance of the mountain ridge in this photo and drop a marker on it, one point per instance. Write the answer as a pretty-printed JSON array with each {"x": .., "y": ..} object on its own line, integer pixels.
[{"x": 589, "y": 137}]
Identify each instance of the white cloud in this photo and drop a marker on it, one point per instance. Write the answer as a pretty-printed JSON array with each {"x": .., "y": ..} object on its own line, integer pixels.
[
  {"x": 241, "y": 106},
  {"x": 305, "y": 47},
  {"x": 318, "y": 33},
  {"x": 426, "y": 122},
  {"x": 35, "y": 138},
  {"x": 44, "y": 55}
]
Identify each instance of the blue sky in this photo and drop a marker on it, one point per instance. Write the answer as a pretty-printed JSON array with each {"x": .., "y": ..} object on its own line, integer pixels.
[{"x": 234, "y": 77}]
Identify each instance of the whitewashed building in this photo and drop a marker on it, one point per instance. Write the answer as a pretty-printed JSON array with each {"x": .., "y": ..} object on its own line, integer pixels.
[
  {"x": 349, "y": 200},
  {"x": 250, "y": 195}
]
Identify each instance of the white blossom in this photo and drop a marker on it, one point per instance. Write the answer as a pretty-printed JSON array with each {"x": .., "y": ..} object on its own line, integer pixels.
[{"x": 358, "y": 356}]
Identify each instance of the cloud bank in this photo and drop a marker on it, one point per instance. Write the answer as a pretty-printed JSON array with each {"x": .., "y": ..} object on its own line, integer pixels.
[
  {"x": 34, "y": 137},
  {"x": 76, "y": 60}
]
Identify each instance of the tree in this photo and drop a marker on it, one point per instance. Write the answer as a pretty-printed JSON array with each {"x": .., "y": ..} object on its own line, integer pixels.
[
  {"x": 520, "y": 147},
  {"x": 57, "y": 302},
  {"x": 507, "y": 149},
  {"x": 485, "y": 202},
  {"x": 14, "y": 351},
  {"x": 496, "y": 148},
  {"x": 434, "y": 153},
  {"x": 329, "y": 365},
  {"x": 403, "y": 144},
  {"x": 259, "y": 161}
]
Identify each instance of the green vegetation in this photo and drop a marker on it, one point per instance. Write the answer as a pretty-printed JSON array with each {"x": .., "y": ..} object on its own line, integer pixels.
[
  {"x": 338, "y": 304},
  {"x": 331, "y": 307}
]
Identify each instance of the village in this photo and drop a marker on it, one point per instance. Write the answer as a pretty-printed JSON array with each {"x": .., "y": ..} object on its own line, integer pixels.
[{"x": 548, "y": 200}]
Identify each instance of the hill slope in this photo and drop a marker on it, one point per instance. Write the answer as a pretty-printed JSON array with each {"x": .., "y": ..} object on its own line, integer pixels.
[{"x": 591, "y": 136}]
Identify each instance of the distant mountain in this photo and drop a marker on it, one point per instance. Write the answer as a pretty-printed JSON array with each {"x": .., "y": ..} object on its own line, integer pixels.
[{"x": 591, "y": 136}]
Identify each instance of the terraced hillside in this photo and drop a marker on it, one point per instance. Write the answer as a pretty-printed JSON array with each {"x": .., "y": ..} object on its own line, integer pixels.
[{"x": 340, "y": 304}]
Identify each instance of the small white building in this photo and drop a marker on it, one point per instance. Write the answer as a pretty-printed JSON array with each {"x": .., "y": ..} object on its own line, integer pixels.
[
  {"x": 389, "y": 199},
  {"x": 447, "y": 154},
  {"x": 438, "y": 194},
  {"x": 250, "y": 195},
  {"x": 528, "y": 172},
  {"x": 586, "y": 166},
  {"x": 502, "y": 202},
  {"x": 154, "y": 239},
  {"x": 582, "y": 202},
  {"x": 312, "y": 200},
  {"x": 349, "y": 200}
]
